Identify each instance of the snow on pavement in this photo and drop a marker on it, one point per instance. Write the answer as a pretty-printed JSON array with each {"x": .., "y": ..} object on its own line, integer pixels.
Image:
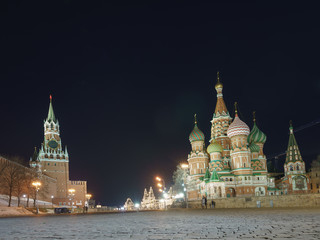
[{"x": 173, "y": 224}]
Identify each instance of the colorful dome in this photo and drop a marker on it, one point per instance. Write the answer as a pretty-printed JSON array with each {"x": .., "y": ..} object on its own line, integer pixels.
[
  {"x": 196, "y": 134},
  {"x": 256, "y": 136},
  {"x": 254, "y": 147},
  {"x": 238, "y": 127},
  {"x": 214, "y": 147}
]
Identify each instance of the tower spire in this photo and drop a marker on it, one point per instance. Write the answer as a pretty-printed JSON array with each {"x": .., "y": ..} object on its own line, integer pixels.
[
  {"x": 51, "y": 116},
  {"x": 254, "y": 116},
  {"x": 235, "y": 109},
  {"x": 293, "y": 153},
  {"x": 195, "y": 119},
  {"x": 218, "y": 84}
]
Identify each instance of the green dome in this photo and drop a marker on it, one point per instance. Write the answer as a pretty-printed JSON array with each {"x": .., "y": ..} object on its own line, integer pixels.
[
  {"x": 254, "y": 147},
  {"x": 256, "y": 136},
  {"x": 214, "y": 147},
  {"x": 196, "y": 134}
]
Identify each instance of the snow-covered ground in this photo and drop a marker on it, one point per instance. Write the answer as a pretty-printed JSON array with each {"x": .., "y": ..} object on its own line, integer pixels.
[
  {"x": 4, "y": 199},
  {"x": 14, "y": 211},
  {"x": 174, "y": 224}
]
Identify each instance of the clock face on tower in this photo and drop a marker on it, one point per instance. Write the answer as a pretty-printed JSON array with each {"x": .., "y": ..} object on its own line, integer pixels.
[{"x": 52, "y": 144}]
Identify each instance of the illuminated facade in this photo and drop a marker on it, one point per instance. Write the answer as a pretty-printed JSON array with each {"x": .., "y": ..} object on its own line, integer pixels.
[
  {"x": 53, "y": 161},
  {"x": 234, "y": 163},
  {"x": 295, "y": 179}
]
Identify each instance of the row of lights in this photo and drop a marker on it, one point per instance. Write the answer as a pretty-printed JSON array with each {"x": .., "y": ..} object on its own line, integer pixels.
[{"x": 37, "y": 185}]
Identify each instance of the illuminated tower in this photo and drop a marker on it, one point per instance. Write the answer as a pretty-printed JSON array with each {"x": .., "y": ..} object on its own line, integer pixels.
[
  {"x": 198, "y": 158},
  {"x": 216, "y": 162},
  {"x": 220, "y": 124},
  {"x": 256, "y": 140},
  {"x": 53, "y": 160},
  {"x": 240, "y": 154},
  {"x": 294, "y": 167}
]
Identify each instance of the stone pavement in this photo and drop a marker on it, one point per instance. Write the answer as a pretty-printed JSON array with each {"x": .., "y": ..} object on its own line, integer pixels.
[{"x": 173, "y": 224}]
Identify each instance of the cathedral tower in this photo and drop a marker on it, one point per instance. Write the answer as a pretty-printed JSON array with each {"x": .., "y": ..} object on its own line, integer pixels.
[
  {"x": 256, "y": 141},
  {"x": 220, "y": 123},
  {"x": 294, "y": 168},
  {"x": 198, "y": 158},
  {"x": 240, "y": 153}
]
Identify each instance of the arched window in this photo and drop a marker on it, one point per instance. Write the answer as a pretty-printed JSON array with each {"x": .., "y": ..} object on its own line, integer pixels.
[
  {"x": 291, "y": 168},
  {"x": 298, "y": 168}
]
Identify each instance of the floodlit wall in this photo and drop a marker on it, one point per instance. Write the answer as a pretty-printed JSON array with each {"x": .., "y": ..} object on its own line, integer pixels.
[{"x": 303, "y": 200}]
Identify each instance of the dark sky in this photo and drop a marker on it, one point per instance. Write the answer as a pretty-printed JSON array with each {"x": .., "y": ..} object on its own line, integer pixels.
[{"x": 126, "y": 80}]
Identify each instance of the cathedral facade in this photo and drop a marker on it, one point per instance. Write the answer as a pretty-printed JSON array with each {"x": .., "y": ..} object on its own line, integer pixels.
[
  {"x": 53, "y": 160},
  {"x": 234, "y": 163}
]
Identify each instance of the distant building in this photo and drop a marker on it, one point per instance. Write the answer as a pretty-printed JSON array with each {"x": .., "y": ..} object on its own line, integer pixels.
[
  {"x": 149, "y": 201},
  {"x": 128, "y": 205},
  {"x": 52, "y": 160},
  {"x": 314, "y": 176}
]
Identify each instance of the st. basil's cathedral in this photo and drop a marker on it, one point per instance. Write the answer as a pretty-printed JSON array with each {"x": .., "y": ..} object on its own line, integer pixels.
[{"x": 234, "y": 163}]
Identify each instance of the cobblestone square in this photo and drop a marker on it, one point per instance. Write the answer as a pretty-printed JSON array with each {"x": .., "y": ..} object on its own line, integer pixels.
[{"x": 173, "y": 224}]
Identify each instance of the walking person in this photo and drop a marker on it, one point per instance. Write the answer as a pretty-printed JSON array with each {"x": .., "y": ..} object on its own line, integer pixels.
[{"x": 205, "y": 201}]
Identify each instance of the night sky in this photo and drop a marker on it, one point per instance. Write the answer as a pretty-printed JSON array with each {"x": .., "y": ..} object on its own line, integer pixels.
[{"x": 127, "y": 79}]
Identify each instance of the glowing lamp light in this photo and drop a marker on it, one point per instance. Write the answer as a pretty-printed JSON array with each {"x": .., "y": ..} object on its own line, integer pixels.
[
  {"x": 165, "y": 195},
  {"x": 184, "y": 166},
  {"x": 36, "y": 184},
  {"x": 88, "y": 196},
  {"x": 71, "y": 190},
  {"x": 158, "y": 179},
  {"x": 160, "y": 190},
  {"x": 137, "y": 205},
  {"x": 159, "y": 185}
]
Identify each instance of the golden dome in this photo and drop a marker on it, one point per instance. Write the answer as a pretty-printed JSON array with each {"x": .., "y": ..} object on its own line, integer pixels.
[{"x": 218, "y": 84}]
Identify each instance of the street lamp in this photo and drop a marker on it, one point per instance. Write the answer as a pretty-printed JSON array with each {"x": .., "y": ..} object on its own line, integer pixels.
[
  {"x": 185, "y": 167},
  {"x": 71, "y": 194},
  {"x": 36, "y": 185},
  {"x": 163, "y": 183},
  {"x": 52, "y": 197}
]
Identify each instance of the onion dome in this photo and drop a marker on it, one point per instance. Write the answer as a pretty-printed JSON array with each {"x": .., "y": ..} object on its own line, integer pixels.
[
  {"x": 196, "y": 134},
  {"x": 256, "y": 136},
  {"x": 254, "y": 147},
  {"x": 214, "y": 147},
  {"x": 237, "y": 127}
]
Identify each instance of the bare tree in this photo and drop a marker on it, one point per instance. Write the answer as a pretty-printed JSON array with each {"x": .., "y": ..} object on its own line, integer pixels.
[
  {"x": 29, "y": 178},
  {"x": 20, "y": 184},
  {"x": 179, "y": 178},
  {"x": 10, "y": 176},
  {"x": 3, "y": 166}
]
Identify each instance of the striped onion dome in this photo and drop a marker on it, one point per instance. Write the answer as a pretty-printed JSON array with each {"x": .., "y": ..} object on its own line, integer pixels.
[
  {"x": 214, "y": 147},
  {"x": 238, "y": 127},
  {"x": 254, "y": 147},
  {"x": 256, "y": 136},
  {"x": 196, "y": 134}
]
